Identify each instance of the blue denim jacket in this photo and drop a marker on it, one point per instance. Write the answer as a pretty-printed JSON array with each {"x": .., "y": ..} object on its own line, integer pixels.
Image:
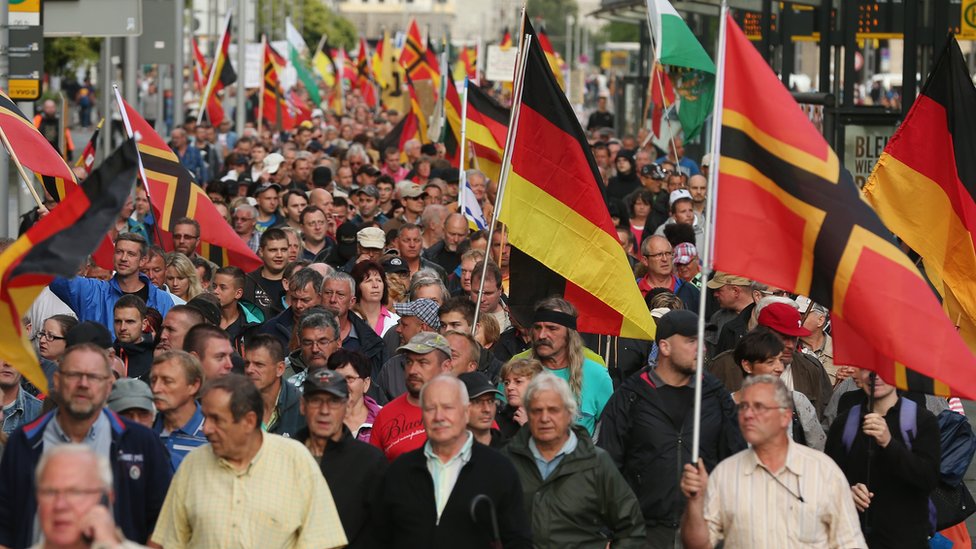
[{"x": 26, "y": 409}]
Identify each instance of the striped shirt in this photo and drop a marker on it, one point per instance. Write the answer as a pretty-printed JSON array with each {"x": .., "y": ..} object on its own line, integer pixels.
[
  {"x": 180, "y": 441},
  {"x": 280, "y": 500},
  {"x": 806, "y": 504}
]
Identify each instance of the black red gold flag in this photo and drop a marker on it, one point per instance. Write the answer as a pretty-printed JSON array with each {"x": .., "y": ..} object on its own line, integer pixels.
[
  {"x": 57, "y": 245},
  {"x": 485, "y": 132},
  {"x": 781, "y": 185},
  {"x": 554, "y": 209},
  {"x": 221, "y": 72}
]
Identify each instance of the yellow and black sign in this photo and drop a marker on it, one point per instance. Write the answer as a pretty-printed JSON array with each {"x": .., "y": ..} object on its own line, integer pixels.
[{"x": 967, "y": 20}]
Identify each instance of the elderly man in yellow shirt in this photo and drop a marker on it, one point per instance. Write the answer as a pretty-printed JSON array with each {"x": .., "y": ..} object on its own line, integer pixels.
[{"x": 247, "y": 488}]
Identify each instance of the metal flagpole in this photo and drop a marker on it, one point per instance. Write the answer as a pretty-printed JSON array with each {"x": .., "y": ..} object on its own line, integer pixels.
[
  {"x": 213, "y": 68},
  {"x": 142, "y": 170},
  {"x": 462, "y": 176},
  {"x": 260, "y": 116},
  {"x": 657, "y": 59},
  {"x": 706, "y": 258},
  {"x": 523, "y": 55},
  {"x": 240, "y": 114}
]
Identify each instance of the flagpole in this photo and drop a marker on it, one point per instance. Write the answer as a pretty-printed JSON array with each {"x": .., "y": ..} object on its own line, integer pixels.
[
  {"x": 142, "y": 170},
  {"x": 657, "y": 59},
  {"x": 462, "y": 176},
  {"x": 712, "y": 195},
  {"x": 20, "y": 170},
  {"x": 213, "y": 68},
  {"x": 63, "y": 121},
  {"x": 506, "y": 157},
  {"x": 264, "y": 77}
]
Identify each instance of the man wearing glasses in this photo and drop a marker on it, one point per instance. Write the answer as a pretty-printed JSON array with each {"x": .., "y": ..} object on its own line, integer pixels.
[
  {"x": 806, "y": 491},
  {"x": 657, "y": 255},
  {"x": 81, "y": 387},
  {"x": 647, "y": 424},
  {"x": 186, "y": 236}
]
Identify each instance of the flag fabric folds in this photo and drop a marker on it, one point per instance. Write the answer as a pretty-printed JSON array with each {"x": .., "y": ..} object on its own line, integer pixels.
[
  {"x": 692, "y": 71},
  {"x": 414, "y": 58},
  {"x": 274, "y": 106},
  {"x": 297, "y": 49},
  {"x": 922, "y": 185},
  {"x": 221, "y": 72},
  {"x": 555, "y": 213},
  {"x": 55, "y": 246},
  {"x": 452, "y": 120},
  {"x": 173, "y": 194},
  {"x": 662, "y": 93},
  {"x": 466, "y": 64},
  {"x": 215, "y": 111},
  {"x": 365, "y": 80},
  {"x": 33, "y": 150},
  {"x": 485, "y": 132},
  {"x": 780, "y": 184},
  {"x": 551, "y": 57}
]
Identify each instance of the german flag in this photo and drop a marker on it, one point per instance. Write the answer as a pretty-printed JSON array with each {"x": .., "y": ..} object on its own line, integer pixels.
[
  {"x": 56, "y": 246},
  {"x": 466, "y": 64},
  {"x": 33, "y": 150},
  {"x": 87, "y": 158},
  {"x": 485, "y": 131},
  {"x": 275, "y": 108},
  {"x": 215, "y": 111},
  {"x": 365, "y": 80},
  {"x": 555, "y": 213},
  {"x": 452, "y": 119},
  {"x": 221, "y": 72},
  {"x": 414, "y": 58},
  {"x": 173, "y": 194},
  {"x": 662, "y": 93},
  {"x": 506, "y": 42},
  {"x": 552, "y": 57},
  {"x": 782, "y": 185}
]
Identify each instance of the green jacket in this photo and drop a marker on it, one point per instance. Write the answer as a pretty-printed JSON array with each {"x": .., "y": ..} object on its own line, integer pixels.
[{"x": 584, "y": 503}]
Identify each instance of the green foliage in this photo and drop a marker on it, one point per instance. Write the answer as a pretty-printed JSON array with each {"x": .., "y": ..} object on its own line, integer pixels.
[
  {"x": 62, "y": 55},
  {"x": 551, "y": 15},
  {"x": 311, "y": 17}
]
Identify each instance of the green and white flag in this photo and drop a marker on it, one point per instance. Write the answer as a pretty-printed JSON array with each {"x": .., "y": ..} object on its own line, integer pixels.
[
  {"x": 296, "y": 50},
  {"x": 690, "y": 68}
]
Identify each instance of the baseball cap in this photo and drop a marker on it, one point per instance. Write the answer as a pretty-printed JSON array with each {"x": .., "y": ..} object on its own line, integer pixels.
[
  {"x": 677, "y": 322},
  {"x": 677, "y": 195},
  {"x": 395, "y": 265},
  {"x": 323, "y": 380},
  {"x": 782, "y": 318},
  {"x": 706, "y": 160},
  {"x": 721, "y": 279},
  {"x": 272, "y": 162},
  {"x": 204, "y": 304},
  {"x": 477, "y": 384},
  {"x": 424, "y": 309},
  {"x": 685, "y": 253},
  {"x": 427, "y": 342},
  {"x": 409, "y": 189},
  {"x": 371, "y": 237},
  {"x": 265, "y": 186},
  {"x": 317, "y": 113},
  {"x": 368, "y": 190},
  {"x": 88, "y": 332},
  {"x": 313, "y": 146},
  {"x": 130, "y": 393},
  {"x": 306, "y": 124}
]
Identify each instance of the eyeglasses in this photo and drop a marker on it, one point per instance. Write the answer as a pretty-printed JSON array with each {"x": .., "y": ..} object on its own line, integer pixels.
[
  {"x": 319, "y": 401},
  {"x": 73, "y": 495},
  {"x": 777, "y": 293},
  {"x": 758, "y": 408},
  {"x": 75, "y": 377},
  {"x": 184, "y": 237},
  {"x": 350, "y": 379},
  {"x": 660, "y": 255},
  {"x": 235, "y": 218},
  {"x": 49, "y": 336},
  {"x": 318, "y": 342}
]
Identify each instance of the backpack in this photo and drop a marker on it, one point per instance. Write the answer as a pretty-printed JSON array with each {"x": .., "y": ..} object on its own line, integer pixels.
[{"x": 951, "y": 502}]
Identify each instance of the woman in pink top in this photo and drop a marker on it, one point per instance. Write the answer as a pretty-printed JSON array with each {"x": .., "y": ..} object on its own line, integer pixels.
[{"x": 372, "y": 296}]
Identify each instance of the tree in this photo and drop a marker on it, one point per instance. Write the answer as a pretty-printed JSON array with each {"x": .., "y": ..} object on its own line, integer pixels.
[
  {"x": 551, "y": 15},
  {"x": 315, "y": 20},
  {"x": 63, "y": 55}
]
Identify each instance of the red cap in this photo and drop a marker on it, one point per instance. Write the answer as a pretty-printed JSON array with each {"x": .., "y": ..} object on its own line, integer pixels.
[{"x": 784, "y": 319}]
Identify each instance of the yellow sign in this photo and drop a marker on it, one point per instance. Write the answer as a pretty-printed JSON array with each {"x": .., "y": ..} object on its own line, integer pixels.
[
  {"x": 27, "y": 90},
  {"x": 967, "y": 21},
  {"x": 25, "y": 13}
]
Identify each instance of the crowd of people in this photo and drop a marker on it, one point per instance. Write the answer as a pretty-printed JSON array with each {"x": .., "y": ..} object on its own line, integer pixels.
[{"x": 368, "y": 384}]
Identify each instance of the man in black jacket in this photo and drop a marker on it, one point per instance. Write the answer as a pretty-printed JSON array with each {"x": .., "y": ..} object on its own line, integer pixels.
[
  {"x": 413, "y": 511},
  {"x": 647, "y": 421},
  {"x": 353, "y": 469},
  {"x": 338, "y": 297}
]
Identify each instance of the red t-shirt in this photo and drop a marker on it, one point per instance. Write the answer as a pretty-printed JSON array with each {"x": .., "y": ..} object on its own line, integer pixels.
[{"x": 398, "y": 428}]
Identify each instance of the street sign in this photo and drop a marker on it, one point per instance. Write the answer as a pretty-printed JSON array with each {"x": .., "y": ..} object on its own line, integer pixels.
[
  {"x": 25, "y": 51},
  {"x": 93, "y": 18},
  {"x": 967, "y": 20}
]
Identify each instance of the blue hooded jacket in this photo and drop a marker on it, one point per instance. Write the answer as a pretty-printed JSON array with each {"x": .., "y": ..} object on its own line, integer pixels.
[{"x": 93, "y": 299}]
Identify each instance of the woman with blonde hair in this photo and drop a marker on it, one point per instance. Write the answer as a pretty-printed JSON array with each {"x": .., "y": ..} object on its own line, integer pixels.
[{"x": 181, "y": 277}]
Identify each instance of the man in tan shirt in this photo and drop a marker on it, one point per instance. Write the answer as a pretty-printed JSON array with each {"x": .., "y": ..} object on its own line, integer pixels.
[{"x": 776, "y": 493}]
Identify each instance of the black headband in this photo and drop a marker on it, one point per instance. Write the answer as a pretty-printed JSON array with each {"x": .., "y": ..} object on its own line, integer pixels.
[{"x": 556, "y": 317}]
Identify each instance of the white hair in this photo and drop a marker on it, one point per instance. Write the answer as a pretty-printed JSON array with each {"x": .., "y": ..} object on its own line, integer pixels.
[
  {"x": 459, "y": 386},
  {"x": 781, "y": 394},
  {"x": 103, "y": 468},
  {"x": 546, "y": 381}
]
